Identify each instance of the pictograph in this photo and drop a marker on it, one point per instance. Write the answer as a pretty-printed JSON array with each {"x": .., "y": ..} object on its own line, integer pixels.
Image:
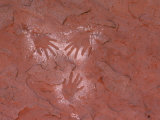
[
  {"x": 81, "y": 43},
  {"x": 70, "y": 86},
  {"x": 43, "y": 43}
]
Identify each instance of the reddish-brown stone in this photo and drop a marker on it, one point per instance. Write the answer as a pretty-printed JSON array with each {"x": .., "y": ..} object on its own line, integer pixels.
[{"x": 79, "y": 60}]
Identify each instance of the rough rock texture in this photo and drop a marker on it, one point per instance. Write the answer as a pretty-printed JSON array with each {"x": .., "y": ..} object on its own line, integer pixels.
[{"x": 79, "y": 60}]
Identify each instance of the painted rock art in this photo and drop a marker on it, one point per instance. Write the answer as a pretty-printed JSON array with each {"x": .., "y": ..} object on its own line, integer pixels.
[{"x": 79, "y": 60}]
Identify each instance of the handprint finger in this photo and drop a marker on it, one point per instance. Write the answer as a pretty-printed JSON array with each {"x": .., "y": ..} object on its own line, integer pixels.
[
  {"x": 76, "y": 79},
  {"x": 68, "y": 46},
  {"x": 70, "y": 78},
  {"x": 46, "y": 53},
  {"x": 89, "y": 51},
  {"x": 71, "y": 50},
  {"x": 83, "y": 51},
  {"x": 78, "y": 89},
  {"x": 52, "y": 44},
  {"x": 76, "y": 53},
  {"x": 53, "y": 53},
  {"x": 52, "y": 39},
  {"x": 79, "y": 81}
]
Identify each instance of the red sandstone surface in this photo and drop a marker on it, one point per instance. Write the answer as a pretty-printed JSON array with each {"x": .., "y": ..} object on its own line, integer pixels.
[{"x": 79, "y": 60}]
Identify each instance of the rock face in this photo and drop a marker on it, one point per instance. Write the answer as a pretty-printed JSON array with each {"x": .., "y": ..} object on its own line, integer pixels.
[{"x": 79, "y": 60}]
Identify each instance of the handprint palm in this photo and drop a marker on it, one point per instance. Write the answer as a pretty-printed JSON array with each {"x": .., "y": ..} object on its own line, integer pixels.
[{"x": 70, "y": 88}]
